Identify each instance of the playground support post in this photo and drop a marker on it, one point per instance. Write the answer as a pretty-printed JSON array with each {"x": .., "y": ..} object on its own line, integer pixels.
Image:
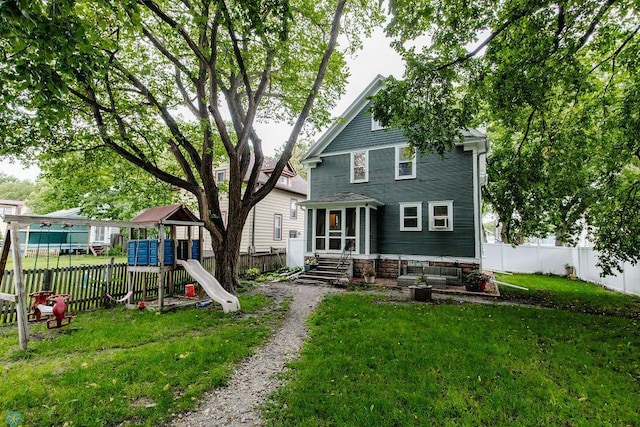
[{"x": 18, "y": 280}]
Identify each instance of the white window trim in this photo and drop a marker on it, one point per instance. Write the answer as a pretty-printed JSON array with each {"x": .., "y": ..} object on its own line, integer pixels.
[
  {"x": 277, "y": 218},
  {"x": 224, "y": 175},
  {"x": 397, "y": 164},
  {"x": 417, "y": 205},
  {"x": 366, "y": 167},
  {"x": 449, "y": 205}
]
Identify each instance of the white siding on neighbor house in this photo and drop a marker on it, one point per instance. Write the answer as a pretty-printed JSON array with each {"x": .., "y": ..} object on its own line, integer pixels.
[{"x": 276, "y": 202}]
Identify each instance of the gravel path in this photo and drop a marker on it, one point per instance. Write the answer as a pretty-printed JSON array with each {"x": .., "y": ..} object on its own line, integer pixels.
[{"x": 236, "y": 404}]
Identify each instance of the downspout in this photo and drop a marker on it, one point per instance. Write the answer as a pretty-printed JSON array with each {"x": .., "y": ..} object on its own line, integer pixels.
[{"x": 253, "y": 229}]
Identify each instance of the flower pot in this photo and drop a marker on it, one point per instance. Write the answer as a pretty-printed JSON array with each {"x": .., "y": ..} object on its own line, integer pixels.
[
  {"x": 307, "y": 267},
  {"x": 420, "y": 293},
  {"x": 369, "y": 279}
]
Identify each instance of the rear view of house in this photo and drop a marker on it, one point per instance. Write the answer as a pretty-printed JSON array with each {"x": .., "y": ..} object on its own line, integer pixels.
[{"x": 372, "y": 196}]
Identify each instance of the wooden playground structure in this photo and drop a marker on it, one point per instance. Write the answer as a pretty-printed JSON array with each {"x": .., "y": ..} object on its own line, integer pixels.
[{"x": 158, "y": 255}]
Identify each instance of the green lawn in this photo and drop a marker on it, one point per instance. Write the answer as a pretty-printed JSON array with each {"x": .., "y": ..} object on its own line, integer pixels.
[
  {"x": 371, "y": 360},
  {"x": 115, "y": 366},
  {"x": 566, "y": 294},
  {"x": 64, "y": 260},
  {"x": 375, "y": 361}
]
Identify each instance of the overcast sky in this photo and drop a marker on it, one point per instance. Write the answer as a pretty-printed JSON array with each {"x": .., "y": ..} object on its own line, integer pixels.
[{"x": 375, "y": 58}]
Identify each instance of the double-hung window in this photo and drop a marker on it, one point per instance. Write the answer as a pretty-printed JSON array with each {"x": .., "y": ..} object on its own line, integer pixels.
[
  {"x": 411, "y": 216},
  {"x": 359, "y": 166},
  {"x": 441, "y": 215},
  {"x": 277, "y": 227},
  {"x": 405, "y": 166}
]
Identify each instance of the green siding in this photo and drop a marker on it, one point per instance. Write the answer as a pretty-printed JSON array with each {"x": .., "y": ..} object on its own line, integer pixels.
[
  {"x": 358, "y": 134},
  {"x": 448, "y": 178},
  {"x": 374, "y": 236}
]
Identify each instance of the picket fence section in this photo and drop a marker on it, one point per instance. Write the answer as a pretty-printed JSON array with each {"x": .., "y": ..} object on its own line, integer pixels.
[
  {"x": 89, "y": 285},
  {"x": 552, "y": 260}
]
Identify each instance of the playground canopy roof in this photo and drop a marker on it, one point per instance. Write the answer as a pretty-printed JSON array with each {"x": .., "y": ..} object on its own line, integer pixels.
[
  {"x": 167, "y": 215},
  {"x": 151, "y": 218}
]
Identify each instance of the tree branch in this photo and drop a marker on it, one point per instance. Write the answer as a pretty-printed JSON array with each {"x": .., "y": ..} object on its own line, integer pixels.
[
  {"x": 486, "y": 41},
  {"x": 306, "y": 110}
]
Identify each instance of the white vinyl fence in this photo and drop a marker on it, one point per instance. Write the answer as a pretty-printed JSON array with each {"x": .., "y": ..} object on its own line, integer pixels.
[
  {"x": 551, "y": 259},
  {"x": 295, "y": 252}
]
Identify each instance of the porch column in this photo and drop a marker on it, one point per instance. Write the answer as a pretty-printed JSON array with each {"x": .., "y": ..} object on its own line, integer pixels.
[{"x": 367, "y": 230}]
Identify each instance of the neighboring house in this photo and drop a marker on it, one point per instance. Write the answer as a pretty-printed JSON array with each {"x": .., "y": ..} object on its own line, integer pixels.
[
  {"x": 274, "y": 219},
  {"x": 9, "y": 207},
  {"x": 59, "y": 238},
  {"x": 368, "y": 192}
]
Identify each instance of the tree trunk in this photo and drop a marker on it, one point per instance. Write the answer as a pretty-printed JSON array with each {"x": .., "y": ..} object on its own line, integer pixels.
[
  {"x": 227, "y": 253},
  {"x": 227, "y": 266}
]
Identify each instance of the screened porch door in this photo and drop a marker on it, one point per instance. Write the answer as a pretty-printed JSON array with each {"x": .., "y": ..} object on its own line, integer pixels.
[{"x": 335, "y": 229}]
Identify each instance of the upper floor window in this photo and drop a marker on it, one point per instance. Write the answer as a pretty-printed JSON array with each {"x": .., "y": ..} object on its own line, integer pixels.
[
  {"x": 405, "y": 162},
  {"x": 375, "y": 124},
  {"x": 359, "y": 166},
  {"x": 441, "y": 215},
  {"x": 411, "y": 216},
  {"x": 294, "y": 208},
  {"x": 284, "y": 180},
  {"x": 220, "y": 176}
]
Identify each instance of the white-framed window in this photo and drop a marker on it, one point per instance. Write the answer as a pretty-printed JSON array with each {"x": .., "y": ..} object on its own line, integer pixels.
[
  {"x": 293, "y": 209},
  {"x": 411, "y": 216},
  {"x": 220, "y": 176},
  {"x": 99, "y": 234},
  {"x": 375, "y": 124},
  {"x": 359, "y": 166},
  {"x": 405, "y": 162},
  {"x": 284, "y": 180},
  {"x": 277, "y": 227},
  {"x": 441, "y": 215}
]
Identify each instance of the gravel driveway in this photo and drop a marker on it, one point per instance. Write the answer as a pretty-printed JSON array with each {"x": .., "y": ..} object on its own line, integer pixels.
[{"x": 255, "y": 378}]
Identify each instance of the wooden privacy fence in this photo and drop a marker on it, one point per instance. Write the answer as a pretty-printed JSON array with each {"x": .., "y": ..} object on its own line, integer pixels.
[
  {"x": 90, "y": 284},
  {"x": 268, "y": 261}
]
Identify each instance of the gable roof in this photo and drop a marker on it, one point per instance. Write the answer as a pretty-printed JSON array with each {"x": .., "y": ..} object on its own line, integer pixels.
[
  {"x": 473, "y": 138},
  {"x": 298, "y": 183},
  {"x": 349, "y": 114}
]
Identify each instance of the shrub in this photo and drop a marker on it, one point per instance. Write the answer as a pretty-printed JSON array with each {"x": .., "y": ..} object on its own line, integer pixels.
[{"x": 252, "y": 273}]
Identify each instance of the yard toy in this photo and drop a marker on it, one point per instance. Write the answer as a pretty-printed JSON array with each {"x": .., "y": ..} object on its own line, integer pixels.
[
  {"x": 39, "y": 299},
  {"x": 52, "y": 306},
  {"x": 59, "y": 311}
]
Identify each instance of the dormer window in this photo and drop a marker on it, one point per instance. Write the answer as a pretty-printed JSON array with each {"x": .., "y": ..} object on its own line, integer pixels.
[{"x": 285, "y": 180}]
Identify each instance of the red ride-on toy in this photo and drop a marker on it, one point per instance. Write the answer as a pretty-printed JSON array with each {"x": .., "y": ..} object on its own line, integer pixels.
[
  {"x": 39, "y": 299},
  {"x": 50, "y": 305}
]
